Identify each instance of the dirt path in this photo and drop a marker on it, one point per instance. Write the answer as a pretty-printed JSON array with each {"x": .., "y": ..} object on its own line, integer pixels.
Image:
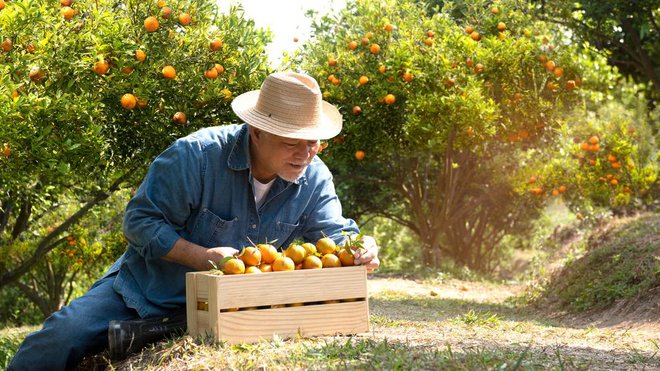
[{"x": 476, "y": 317}]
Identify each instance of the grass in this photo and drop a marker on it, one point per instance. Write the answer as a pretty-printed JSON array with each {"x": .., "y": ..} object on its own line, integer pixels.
[
  {"x": 440, "y": 322},
  {"x": 621, "y": 262}
]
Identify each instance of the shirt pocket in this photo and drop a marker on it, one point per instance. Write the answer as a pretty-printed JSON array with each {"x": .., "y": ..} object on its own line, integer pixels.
[
  {"x": 211, "y": 230},
  {"x": 285, "y": 233}
]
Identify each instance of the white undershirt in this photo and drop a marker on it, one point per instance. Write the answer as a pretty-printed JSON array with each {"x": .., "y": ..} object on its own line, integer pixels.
[{"x": 261, "y": 190}]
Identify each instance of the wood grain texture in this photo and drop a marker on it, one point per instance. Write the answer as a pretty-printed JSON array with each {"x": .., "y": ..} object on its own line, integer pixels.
[
  {"x": 313, "y": 320},
  {"x": 313, "y": 287}
]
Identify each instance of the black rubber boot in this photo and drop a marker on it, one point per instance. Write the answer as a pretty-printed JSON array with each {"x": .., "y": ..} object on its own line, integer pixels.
[{"x": 126, "y": 337}]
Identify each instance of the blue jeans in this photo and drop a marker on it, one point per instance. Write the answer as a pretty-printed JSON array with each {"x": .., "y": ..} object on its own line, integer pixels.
[{"x": 75, "y": 331}]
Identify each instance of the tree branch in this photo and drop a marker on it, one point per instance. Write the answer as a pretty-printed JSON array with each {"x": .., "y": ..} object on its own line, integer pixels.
[{"x": 45, "y": 244}]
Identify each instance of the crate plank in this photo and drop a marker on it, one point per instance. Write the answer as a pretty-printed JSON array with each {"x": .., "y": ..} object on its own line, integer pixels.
[
  {"x": 324, "y": 319},
  {"x": 191, "y": 303},
  {"x": 289, "y": 287}
]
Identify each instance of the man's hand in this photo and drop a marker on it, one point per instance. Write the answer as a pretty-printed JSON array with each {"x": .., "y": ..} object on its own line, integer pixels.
[
  {"x": 216, "y": 254},
  {"x": 195, "y": 256},
  {"x": 369, "y": 255}
]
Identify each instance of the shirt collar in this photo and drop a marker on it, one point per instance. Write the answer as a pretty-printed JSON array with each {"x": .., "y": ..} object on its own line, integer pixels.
[{"x": 239, "y": 157}]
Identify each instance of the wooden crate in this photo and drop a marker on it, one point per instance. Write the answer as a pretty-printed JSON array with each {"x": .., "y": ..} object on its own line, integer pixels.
[{"x": 250, "y": 307}]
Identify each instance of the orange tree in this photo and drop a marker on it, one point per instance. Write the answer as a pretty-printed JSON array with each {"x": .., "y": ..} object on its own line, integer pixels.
[
  {"x": 439, "y": 110},
  {"x": 91, "y": 91}
]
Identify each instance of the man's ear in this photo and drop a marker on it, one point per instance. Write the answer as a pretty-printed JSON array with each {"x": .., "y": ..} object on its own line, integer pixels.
[{"x": 255, "y": 133}]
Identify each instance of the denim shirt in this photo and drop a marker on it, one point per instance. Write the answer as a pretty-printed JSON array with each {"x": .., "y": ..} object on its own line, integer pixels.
[{"x": 200, "y": 189}]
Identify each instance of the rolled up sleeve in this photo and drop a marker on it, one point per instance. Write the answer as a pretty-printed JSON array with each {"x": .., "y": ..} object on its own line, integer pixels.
[{"x": 164, "y": 201}]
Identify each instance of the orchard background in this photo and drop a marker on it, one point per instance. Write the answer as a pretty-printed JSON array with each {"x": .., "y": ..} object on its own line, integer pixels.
[{"x": 475, "y": 133}]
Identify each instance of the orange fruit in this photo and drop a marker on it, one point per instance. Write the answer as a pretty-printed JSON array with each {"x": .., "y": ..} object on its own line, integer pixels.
[
  {"x": 430, "y": 33},
  {"x": 479, "y": 68},
  {"x": 614, "y": 182},
  {"x": 312, "y": 262},
  {"x": 475, "y": 36},
  {"x": 382, "y": 69},
  {"x": 494, "y": 10},
  {"x": 2, "y": 4},
  {"x": 211, "y": 73},
  {"x": 180, "y": 118},
  {"x": 161, "y": 3},
  {"x": 234, "y": 266},
  {"x": 363, "y": 80},
  {"x": 469, "y": 62},
  {"x": 296, "y": 252},
  {"x": 215, "y": 44},
  {"x": 283, "y": 263},
  {"x": 67, "y": 12},
  {"x": 449, "y": 82},
  {"x": 184, "y": 19},
  {"x": 220, "y": 68},
  {"x": 359, "y": 155},
  {"x": 326, "y": 246},
  {"x": 570, "y": 85},
  {"x": 101, "y": 67},
  {"x": 594, "y": 139},
  {"x": 151, "y": 24},
  {"x": 365, "y": 41},
  {"x": 332, "y": 61},
  {"x": 374, "y": 49},
  {"x": 562, "y": 188},
  {"x": 127, "y": 70},
  {"x": 428, "y": 41},
  {"x": 6, "y": 151},
  {"x": 252, "y": 269},
  {"x": 36, "y": 74},
  {"x": 550, "y": 65},
  {"x": 330, "y": 261},
  {"x": 407, "y": 77},
  {"x": 346, "y": 258},
  {"x": 128, "y": 101},
  {"x": 250, "y": 256},
  {"x": 265, "y": 267},
  {"x": 352, "y": 45},
  {"x": 309, "y": 247},
  {"x": 390, "y": 99},
  {"x": 357, "y": 110},
  {"x": 141, "y": 102},
  {"x": 169, "y": 72},
  {"x": 501, "y": 26},
  {"x": 611, "y": 158},
  {"x": 559, "y": 72},
  {"x": 389, "y": 27},
  {"x": 469, "y": 30},
  {"x": 268, "y": 253},
  {"x": 7, "y": 45},
  {"x": 166, "y": 12},
  {"x": 140, "y": 56}
]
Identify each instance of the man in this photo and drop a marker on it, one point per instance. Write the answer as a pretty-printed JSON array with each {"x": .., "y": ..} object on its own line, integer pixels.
[{"x": 203, "y": 198}]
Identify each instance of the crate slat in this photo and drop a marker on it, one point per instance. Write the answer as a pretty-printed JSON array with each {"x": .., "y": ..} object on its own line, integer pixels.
[
  {"x": 253, "y": 290},
  {"x": 326, "y": 319}
]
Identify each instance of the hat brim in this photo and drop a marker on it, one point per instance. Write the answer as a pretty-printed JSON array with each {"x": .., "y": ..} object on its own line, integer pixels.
[{"x": 329, "y": 123}]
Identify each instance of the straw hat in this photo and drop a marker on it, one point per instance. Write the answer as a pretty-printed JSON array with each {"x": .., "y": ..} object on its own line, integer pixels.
[{"x": 289, "y": 104}]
